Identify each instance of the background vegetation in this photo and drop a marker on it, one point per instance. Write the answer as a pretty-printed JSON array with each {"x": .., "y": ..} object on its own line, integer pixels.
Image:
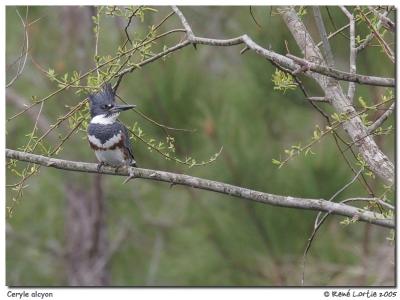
[{"x": 166, "y": 235}]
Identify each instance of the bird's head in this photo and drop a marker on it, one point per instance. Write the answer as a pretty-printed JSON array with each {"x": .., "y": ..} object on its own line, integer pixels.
[{"x": 103, "y": 103}]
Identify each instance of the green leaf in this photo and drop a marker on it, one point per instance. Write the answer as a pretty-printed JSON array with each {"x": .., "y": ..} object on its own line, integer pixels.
[
  {"x": 362, "y": 102},
  {"x": 276, "y": 162}
]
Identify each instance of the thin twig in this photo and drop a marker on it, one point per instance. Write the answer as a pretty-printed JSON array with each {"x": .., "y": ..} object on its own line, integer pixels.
[
  {"x": 153, "y": 58},
  {"x": 155, "y": 122},
  {"x": 96, "y": 47},
  {"x": 369, "y": 38},
  {"x": 20, "y": 103},
  {"x": 35, "y": 126},
  {"x": 25, "y": 48},
  {"x": 333, "y": 23},
  {"x": 318, "y": 223},
  {"x": 381, "y": 119},
  {"x": 346, "y": 185},
  {"x": 374, "y": 199},
  {"x": 254, "y": 19},
  {"x": 386, "y": 22},
  {"x": 128, "y": 39},
  {"x": 142, "y": 43},
  {"x": 380, "y": 39}
]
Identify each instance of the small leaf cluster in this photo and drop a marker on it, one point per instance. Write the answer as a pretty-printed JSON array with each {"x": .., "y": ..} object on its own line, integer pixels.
[{"x": 283, "y": 81}]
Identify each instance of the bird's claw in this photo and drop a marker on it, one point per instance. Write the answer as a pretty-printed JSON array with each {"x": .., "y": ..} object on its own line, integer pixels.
[
  {"x": 99, "y": 166},
  {"x": 131, "y": 175}
]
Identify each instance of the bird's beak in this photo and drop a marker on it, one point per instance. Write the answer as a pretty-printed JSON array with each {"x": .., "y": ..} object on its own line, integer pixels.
[{"x": 119, "y": 108}]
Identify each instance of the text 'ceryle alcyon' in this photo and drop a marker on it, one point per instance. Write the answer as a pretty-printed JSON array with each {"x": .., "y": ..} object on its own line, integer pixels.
[{"x": 108, "y": 137}]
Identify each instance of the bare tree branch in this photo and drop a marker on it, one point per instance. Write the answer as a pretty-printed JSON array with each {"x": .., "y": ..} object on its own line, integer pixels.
[
  {"x": 339, "y": 31},
  {"x": 369, "y": 38},
  {"x": 381, "y": 119},
  {"x": 377, "y": 161},
  {"x": 185, "y": 23},
  {"x": 386, "y": 22},
  {"x": 278, "y": 58},
  {"x": 373, "y": 199},
  {"x": 324, "y": 37},
  {"x": 385, "y": 46},
  {"x": 209, "y": 185},
  {"x": 353, "y": 52},
  {"x": 318, "y": 99},
  {"x": 340, "y": 75}
]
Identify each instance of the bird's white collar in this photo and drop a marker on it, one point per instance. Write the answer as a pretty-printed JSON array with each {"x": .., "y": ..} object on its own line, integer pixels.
[{"x": 103, "y": 120}]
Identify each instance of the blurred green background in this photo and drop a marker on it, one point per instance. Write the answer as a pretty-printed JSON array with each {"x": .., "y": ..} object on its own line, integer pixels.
[{"x": 148, "y": 233}]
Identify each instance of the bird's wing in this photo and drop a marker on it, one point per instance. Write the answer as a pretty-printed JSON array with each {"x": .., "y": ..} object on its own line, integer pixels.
[{"x": 127, "y": 142}]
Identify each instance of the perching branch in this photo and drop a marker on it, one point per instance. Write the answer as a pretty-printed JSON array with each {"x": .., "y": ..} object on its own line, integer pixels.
[{"x": 209, "y": 185}]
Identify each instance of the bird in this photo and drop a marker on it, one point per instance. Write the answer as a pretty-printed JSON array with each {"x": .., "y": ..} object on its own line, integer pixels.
[{"x": 108, "y": 137}]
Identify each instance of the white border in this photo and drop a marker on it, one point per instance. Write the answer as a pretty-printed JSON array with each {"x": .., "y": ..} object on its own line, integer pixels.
[{"x": 162, "y": 293}]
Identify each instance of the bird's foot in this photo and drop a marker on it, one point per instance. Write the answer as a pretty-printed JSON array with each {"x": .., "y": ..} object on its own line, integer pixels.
[
  {"x": 131, "y": 174},
  {"x": 99, "y": 166},
  {"x": 133, "y": 164}
]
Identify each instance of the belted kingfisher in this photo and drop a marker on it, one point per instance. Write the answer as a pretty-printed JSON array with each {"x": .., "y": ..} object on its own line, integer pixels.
[{"x": 108, "y": 137}]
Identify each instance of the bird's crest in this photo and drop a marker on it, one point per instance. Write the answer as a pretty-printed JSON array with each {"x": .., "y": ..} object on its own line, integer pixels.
[
  {"x": 103, "y": 97},
  {"x": 106, "y": 95}
]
